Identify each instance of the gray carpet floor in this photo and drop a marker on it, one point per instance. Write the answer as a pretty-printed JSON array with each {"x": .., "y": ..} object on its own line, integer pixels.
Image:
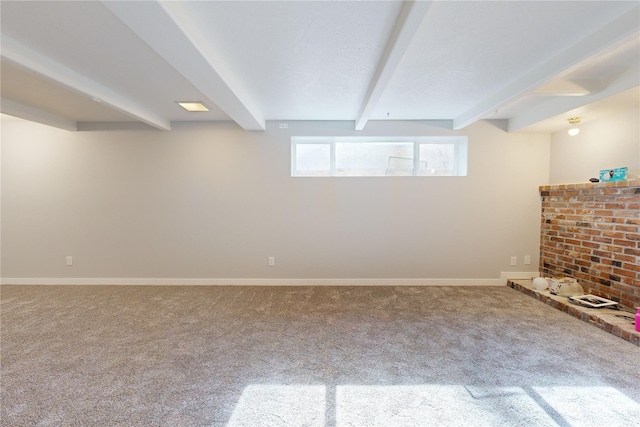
[{"x": 306, "y": 356}]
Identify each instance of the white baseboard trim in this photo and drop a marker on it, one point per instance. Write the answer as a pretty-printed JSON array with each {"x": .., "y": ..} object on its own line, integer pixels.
[
  {"x": 252, "y": 282},
  {"x": 506, "y": 275}
]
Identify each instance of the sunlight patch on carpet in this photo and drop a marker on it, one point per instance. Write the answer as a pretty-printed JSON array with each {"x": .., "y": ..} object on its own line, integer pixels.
[
  {"x": 436, "y": 405},
  {"x": 592, "y": 406},
  {"x": 280, "y": 405},
  {"x": 385, "y": 405}
]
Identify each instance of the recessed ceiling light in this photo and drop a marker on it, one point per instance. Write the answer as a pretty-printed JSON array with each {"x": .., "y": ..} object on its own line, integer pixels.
[
  {"x": 574, "y": 130},
  {"x": 193, "y": 106}
]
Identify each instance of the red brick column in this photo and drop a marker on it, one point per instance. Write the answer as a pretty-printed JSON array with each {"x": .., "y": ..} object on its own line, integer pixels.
[{"x": 592, "y": 232}]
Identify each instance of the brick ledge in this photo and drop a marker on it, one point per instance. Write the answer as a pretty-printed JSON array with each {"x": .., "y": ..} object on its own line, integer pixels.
[
  {"x": 611, "y": 184},
  {"x": 602, "y": 318}
]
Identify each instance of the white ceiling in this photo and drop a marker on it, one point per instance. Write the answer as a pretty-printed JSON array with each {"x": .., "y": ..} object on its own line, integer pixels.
[{"x": 532, "y": 63}]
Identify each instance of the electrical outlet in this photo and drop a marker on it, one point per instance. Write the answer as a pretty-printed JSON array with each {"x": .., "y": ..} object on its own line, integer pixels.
[
  {"x": 514, "y": 260},
  {"x": 527, "y": 259},
  {"x": 283, "y": 125},
  {"x": 69, "y": 260},
  {"x": 272, "y": 261}
]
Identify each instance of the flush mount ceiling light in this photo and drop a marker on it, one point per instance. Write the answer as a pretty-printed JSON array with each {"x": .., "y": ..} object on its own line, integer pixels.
[
  {"x": 193, "y": 106},
  {"x": 573, "y": 122}
]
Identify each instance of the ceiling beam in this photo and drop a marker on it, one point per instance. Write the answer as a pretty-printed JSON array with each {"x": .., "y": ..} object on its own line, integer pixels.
[
  {"x": 408, "y": 22},
  {"x": 559, "y": 65},
  {"x": 179, "y": 41},
  {"x": 20, "y": 55},
  {"x": 562, "y": 104},
  {"x": 37, "y": 115}
]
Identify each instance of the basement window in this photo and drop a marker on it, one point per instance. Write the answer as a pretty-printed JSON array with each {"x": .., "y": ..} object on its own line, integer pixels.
[{"x": 378, "y": 156}]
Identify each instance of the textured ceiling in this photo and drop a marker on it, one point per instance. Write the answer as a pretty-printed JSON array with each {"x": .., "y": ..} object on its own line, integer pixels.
[{"x": 532, "y": 63}]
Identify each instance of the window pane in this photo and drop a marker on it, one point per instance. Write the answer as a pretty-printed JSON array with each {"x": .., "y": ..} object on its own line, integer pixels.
[
  {"x": 374, "y": 159},
  {"x": 313, "y": 160},
  {"x": 378, "y": 156},
  {"x": 436, "y": 160}
]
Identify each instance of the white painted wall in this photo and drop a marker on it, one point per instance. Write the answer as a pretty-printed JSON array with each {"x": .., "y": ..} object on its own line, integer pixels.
[
  {"x": 214, "y": 201},
  {"x": 607, "y": 143}
]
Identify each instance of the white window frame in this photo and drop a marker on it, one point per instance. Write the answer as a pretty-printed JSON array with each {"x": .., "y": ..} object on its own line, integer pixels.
[{"x": 460, "y": 144}]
